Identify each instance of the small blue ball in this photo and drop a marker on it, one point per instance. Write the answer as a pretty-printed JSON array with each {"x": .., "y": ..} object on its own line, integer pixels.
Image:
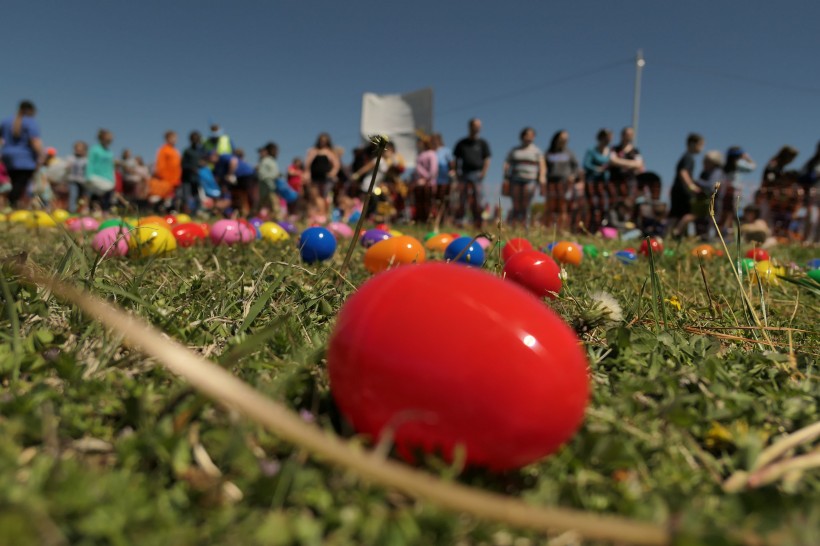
[
  {"x": 316, "y": 244},
  {"x": 473, "y": 255},
  {"x": 626, "y": 257}
]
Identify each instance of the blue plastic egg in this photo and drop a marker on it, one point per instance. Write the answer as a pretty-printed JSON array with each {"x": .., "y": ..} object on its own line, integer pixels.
[
  {"x": 316, "y": 244},
  {"x": 626, "y": 256},
  {"x": 470, "y": 252},
  {"x": 814, "y": 264}
]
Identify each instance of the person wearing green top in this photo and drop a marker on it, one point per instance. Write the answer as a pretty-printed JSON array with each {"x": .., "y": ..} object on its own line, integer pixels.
[
  {"x": 99, "y": 171},
  {"x": 267, "y": 171}
]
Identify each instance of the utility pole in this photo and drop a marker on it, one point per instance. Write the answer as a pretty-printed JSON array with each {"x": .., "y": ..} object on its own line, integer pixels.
[{"x": 636, "y": 104}]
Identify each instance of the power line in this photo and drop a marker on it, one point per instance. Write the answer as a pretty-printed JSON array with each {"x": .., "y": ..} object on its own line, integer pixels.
[
  {"x": 526, "y": 90},
  {"x": 736, "y": 77}
]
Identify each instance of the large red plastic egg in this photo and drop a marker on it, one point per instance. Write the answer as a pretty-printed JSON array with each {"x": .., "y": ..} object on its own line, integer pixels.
[
  {"x": 514, "y": 245},
  {"x": 535, "y": 271},
  {"x": 508, "y": 381}
]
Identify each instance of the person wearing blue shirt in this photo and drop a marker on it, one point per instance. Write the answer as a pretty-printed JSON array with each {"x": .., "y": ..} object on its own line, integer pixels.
[
  {"x": 21, "y": 150},
  {"x": 596, "y": 163}
]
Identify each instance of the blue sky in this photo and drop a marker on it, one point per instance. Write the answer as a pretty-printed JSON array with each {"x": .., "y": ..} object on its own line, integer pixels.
[{"x": 740, "y": 73}]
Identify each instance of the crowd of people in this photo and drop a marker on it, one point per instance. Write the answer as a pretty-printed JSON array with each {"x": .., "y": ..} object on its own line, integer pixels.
[{"x": 609, "y": 186}]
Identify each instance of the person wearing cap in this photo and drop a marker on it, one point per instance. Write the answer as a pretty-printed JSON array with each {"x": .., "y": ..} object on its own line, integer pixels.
[
  {"x": 21, "y": 149},
  {"x": 267, "y": 172}
]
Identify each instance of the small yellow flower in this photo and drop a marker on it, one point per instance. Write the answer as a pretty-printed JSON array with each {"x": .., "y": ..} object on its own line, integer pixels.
[
  {"x": 674, "y": 302},
  {"x": 718, "y": 436}
]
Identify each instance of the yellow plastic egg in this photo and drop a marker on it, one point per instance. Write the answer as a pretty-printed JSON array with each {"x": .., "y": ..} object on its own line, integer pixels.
[
  {"x": 152, "y": 240},
  {"x": 273, "y": 232}
]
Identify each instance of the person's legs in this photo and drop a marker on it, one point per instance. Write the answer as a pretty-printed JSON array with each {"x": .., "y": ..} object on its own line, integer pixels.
[
  {"x": 73, "y": 196},
  {"x": 529, "y": 193},
  {"x": 477, "y": 203},
  {"x": 20, "y": 179},
  {"x": 518, "y": 213}
]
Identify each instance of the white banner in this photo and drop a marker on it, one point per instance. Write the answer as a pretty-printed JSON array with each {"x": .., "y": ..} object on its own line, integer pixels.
[{"x": 398, "y": 117}]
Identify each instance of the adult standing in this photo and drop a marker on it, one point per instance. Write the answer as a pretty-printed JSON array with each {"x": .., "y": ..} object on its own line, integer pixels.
[
  {"x": 684, "y": 188},
  {"x": 424, "y": 179},
  {"x": 100, "y": 170},
  {"x": 218, "y": 141},
  {"x": 524, "y": 168},
  {"x": 167, "y": 173},
  {"x": 472, "y": 157},
  {"x": 624, "y": 166},
  {"x": 565, "y": 184},
  {"x": 738, "y": 162},
  {"x": 321, "y": 168},
  {"x": 596, "y": 174},
  {"x": 809, "y": 181},
  {"x": 191, "y": 162},
  {"x": 21, "y": 151}
]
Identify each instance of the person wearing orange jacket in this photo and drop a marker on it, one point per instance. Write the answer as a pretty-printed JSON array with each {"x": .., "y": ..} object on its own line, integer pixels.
[{"x": 167, "y": 173}]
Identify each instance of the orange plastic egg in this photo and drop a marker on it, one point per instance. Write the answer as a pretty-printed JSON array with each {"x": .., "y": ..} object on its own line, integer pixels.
[{"x": 567, "y": 253}]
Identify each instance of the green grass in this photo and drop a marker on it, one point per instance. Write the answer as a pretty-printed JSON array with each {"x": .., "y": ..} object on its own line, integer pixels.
[{"x": 98, "y": 445}]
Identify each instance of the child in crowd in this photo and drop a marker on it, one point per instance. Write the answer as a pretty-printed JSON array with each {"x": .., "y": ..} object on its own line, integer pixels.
[
  {"x": 267, "y": 172},
  {"x": 75, "y": 175},
  {"x": 296, "y": 175}
]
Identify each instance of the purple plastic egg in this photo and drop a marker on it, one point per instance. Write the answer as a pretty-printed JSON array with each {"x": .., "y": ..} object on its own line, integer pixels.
[
  {"x": 373, "y": 236},
  {"x": 230, "y": 232},
  {"x": 288, "y": 226},
  {"x": 111, "y": 241}
]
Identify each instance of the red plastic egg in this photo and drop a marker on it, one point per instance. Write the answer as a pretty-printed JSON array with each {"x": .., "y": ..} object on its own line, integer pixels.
[
  {"x": 757, "y": 254},
  {"x": 657, "y": 247},
  {"x": 508, "y": 381},
  {"x": 513, "y": 246},
  {"x": 188, "y": 234},
  {"x": 171, "y": 220},
  {"x": 535, "y": 271}
]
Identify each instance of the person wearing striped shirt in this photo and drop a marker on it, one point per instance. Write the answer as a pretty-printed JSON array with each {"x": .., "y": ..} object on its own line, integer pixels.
[{"x": 524, "y": 168}]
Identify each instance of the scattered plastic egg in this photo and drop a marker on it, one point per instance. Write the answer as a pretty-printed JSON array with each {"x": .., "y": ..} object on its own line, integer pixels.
[{"x": 508, "y": 382}]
